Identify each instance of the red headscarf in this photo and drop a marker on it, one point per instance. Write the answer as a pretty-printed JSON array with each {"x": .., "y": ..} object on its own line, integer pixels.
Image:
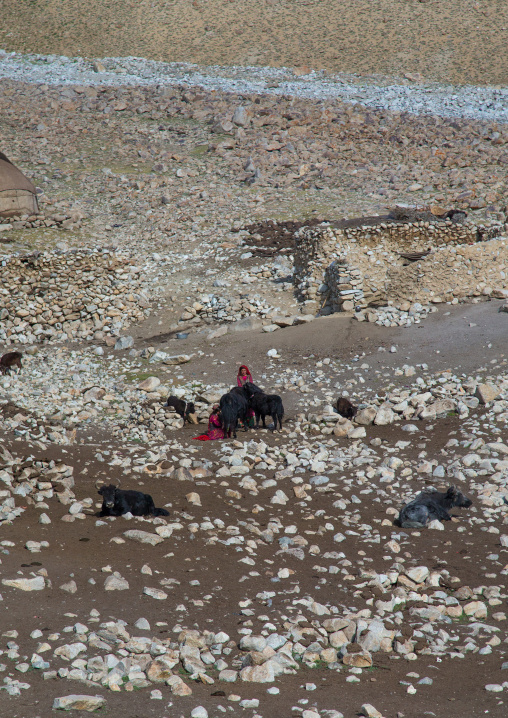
[{"x": 241, "y": 380}]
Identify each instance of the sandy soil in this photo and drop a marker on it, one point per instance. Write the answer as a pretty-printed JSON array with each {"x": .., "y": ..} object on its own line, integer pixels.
[{"x": 460, "y": 41}]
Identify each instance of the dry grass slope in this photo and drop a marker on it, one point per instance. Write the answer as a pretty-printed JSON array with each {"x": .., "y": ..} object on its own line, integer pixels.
[{"x": 460, "y": 41}]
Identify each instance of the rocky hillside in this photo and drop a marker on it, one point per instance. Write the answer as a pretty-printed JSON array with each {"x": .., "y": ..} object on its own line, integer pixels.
[{"x": 460, "y": 41}]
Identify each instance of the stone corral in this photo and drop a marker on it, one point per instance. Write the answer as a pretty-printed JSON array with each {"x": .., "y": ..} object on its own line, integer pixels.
[
  {"x": 342, "y": 268},
  {"x": 78, "y": 294}
]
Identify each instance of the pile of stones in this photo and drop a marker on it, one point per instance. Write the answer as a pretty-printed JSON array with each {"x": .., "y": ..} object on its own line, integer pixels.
[
  {"x": 430, "y": 399},
  {"x": 343, "y": 285},
  {"x": 33, "y": 482},
  {"x": 214, "y": 307},
  {"x": 61, "y": 220},
  {"x": 153, "y": 416},
  {"x": 391, "y": 316},
  {"x": 79, "y": 294}
]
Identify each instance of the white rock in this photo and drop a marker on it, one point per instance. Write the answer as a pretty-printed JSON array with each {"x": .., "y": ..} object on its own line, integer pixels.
[
  {"x": 366, "y": 416},
  {"x": 487, "y": 393},
  {"x": 418, "y": 573},
  {"x": 384, "y": 416},
  {"x": 142, "y": 624},
  {"x": 149, "y": 384},
  {"x": 116, "y": 583},
  {"x": 143, "y": 537},
  {"x": 436, "y": 525},
  {"x": 25, "y": 584},
  {"x": 155, "y": 593}
]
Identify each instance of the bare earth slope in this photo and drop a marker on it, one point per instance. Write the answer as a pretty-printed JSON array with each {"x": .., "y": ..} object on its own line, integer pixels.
[{"x": 459, "y": 41}]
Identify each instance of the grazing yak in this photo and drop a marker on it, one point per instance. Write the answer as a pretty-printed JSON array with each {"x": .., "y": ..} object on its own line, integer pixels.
[
  {"x": 181, "y": 407},
  {"x": 346, "y": 409},
  {"x": 9, "y": 361},
  {"x": 233, "y": 406},
  {"x": 430, "y": 505},
  {"x": 264, "y": 405},
  {"x": 116, "y": 502}
]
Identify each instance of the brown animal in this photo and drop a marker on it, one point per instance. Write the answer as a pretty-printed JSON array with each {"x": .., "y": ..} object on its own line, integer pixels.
[
  {"x": 10, "y": 360},
  {"x": 345, "y": 408}
]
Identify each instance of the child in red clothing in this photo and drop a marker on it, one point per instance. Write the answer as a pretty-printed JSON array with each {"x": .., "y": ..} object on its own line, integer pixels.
[
  {"x": 243, "y": 375},
  {"x": 242, "y": 378}
]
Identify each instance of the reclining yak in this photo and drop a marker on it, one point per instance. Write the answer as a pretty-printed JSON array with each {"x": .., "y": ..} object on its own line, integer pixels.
[
  {"x": 430, "y": 505},
  {"x": 116, "y": 502}
]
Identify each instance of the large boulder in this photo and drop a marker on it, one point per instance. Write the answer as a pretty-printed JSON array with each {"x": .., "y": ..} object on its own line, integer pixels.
[
  {"x": 487, "y": 393},
  {"x": 384, "y": 416},
  {"x": 366, "y": 416}
]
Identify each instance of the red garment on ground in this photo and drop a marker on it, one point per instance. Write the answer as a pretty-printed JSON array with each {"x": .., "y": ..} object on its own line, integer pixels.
[{"x": 215, "y": 430}]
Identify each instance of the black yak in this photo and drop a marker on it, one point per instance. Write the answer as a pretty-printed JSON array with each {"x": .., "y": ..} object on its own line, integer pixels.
[
  {"x": 181, "y": 407},
  {"x": 346, "y": 409},
  {"x": 264, "y": 405},
  {"x": 431, "y": 505},
  {"x": 233, "y": 407},
  {"x": 116, "y": 502}
]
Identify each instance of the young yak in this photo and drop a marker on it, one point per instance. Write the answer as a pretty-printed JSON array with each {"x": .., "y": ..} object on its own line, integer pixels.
[
  {"x": 9, "y": 361},
  {"x": 345, "y": 408}
]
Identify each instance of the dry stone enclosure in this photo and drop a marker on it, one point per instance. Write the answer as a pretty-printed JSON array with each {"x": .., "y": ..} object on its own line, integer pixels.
[
  {"x": 378, "y": 259},
  {"x": 68, "y": 295}
]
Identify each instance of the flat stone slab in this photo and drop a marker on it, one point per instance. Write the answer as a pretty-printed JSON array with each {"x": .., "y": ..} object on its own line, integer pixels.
[
  {"x": 25, "y": 584},
  {"x": 143, "y": 537},
  {"x": 76, "y": 702}
]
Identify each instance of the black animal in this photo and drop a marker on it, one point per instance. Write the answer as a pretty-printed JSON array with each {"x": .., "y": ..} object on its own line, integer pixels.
[
  {"x": 233, "y": 406},
  {"x": 264, "y": 405},
  {"x": 116, "y": 502},
  {"x": 182, "y": 408},
  {"x": 430, "y": 505},
  {"x": 10, "y": 360},
  {"x": 346, "y": 409}
]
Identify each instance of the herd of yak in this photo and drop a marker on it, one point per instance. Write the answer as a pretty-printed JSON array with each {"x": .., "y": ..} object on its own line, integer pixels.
[{"x": 235, "y": 407}]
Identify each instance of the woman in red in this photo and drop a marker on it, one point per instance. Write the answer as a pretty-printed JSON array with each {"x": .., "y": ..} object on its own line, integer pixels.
[
  {"x": 242, "y": 378},
  {"x": 215, "y": 430}
]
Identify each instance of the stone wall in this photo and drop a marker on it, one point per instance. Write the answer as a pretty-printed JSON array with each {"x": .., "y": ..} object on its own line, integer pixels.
[
  {"x": 340, "y": 268},
  {"x": 78, "y": 294}
]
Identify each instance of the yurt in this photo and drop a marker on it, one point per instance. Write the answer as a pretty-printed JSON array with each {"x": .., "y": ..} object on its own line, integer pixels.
[{"x": 17, "y": 194}]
